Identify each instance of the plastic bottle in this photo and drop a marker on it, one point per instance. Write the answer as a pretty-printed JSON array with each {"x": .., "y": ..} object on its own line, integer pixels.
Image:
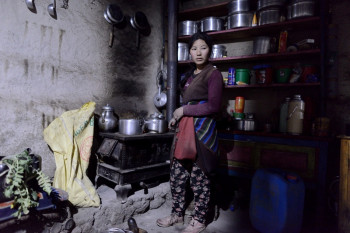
[
  {"x": 283, "y": 115},
  {"x": 295, "y": 117}
]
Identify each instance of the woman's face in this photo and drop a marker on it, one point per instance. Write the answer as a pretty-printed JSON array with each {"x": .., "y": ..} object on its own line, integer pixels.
[{"x": 200, "y": 52}]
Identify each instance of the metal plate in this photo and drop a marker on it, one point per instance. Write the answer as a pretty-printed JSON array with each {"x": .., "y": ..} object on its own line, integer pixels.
[{"x": 107, "y": 146}]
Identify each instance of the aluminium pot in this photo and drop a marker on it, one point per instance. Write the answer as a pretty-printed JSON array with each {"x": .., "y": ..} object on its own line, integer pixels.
[
  {"x": 218, "y": 51},
  {"x": 212, "y": 24},
  {"x": 302, "y": 8},
  {"x": 238, "y": 6},
  {"x": 187, "y": 28},
  {"x": 269, "y": 15},
  {"x": 130, "y": 126},
  {"x": 240, "y": 19},
  {"x": 261, "y": 45},
  {"x": 182, "y": 51},
  {"x": 269, "y": 3}
]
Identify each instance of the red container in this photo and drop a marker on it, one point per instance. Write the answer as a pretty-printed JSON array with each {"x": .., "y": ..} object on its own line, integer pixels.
[
  {"x": 307, "y": 70},
  {"x": 239, "y": 104},
  {"x": 263, "y": 74}
]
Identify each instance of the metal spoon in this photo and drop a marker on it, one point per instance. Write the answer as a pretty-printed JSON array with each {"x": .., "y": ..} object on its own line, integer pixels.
[
  {"x": 51, "y": 8},
  {"x": 31, "y": 6}
]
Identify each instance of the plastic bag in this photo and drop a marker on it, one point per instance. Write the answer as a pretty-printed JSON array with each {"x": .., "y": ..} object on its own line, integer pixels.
[{"x": 70, "y": 136}]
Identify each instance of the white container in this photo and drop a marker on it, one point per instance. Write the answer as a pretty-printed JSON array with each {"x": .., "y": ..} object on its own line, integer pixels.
[{"x": 295, "y": 117}]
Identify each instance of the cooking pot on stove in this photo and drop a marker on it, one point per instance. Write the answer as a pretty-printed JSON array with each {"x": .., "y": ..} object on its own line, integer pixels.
[
  {"x": 108, "y": 122},
  {"x": 156, "y": 123},
  {"x": 130, "y": 126}
]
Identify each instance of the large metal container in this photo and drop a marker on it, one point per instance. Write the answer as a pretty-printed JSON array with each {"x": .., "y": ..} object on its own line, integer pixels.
[
  {"x": 182, "y": 51},
  {"x": 261, "y": 45},
  {"x": 218, "y": 51},
  {"x": 240, "y": 19},
  {"x": 212, "y": 24},
  {"x": 269, "y": 15},
  {"x": 268, "y": 3},
  {"x": 303, "y": 9},
  {"x": 130, "y": 126},
  {"x": 238, "y": 6},
  {"x": 187, "y": 28}
]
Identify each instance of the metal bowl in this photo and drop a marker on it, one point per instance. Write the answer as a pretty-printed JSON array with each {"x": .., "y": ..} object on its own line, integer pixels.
[{"x": 240, "y": 19}]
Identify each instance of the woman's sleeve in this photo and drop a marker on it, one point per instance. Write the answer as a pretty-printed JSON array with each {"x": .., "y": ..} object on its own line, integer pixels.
[{"x": 215, "y": 87}]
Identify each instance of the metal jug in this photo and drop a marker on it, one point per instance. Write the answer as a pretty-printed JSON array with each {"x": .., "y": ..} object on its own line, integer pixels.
[{"x": 108, "y": 122}]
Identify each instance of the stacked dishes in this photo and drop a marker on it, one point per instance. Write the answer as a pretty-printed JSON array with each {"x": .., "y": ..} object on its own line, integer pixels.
[{"x": 239, "y": 14}]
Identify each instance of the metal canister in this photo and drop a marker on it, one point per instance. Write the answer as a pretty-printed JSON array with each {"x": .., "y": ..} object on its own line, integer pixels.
[
  {"x": 231, "y": 77},
  {"x": 295, "y": 117}
]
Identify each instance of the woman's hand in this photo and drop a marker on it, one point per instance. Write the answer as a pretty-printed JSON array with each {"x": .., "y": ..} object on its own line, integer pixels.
[{"x": 178, "y": 113}]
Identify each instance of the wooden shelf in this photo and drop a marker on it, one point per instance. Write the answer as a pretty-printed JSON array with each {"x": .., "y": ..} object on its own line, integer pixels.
[
  {"x": 273, "y": 85},
  {"x": 216, "y": 10},
  {"x": 262, "y": 57},
  {"x": 310, "y": 23}
]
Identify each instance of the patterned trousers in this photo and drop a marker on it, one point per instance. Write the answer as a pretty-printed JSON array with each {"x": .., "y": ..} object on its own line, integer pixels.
[{"x": 180, "y": 173}]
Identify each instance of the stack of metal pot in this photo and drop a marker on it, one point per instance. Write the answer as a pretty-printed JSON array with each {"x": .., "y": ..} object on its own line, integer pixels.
[
  {"x": 239, "y": 14},
  {"x": 269, "y": 11}
]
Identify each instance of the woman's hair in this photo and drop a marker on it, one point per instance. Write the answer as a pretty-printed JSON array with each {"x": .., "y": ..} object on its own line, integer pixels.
[{"x": 202, "y": 36}]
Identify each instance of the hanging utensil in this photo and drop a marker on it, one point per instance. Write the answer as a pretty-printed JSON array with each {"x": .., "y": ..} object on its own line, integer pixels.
[
  {"x": 114, "y": 13},
  {"x": 31, "y": 5},
  {"x": 111, "y": 37},
  {"x": 140, "y": 23},
  {"x": 51, "y": 8},
  {"x": 160, "y": 99}
]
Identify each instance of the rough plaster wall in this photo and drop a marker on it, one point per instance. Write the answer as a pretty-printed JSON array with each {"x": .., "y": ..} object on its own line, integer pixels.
[
  {"x": 339, "y": 77},
  {"x": 50, "y": 66}
]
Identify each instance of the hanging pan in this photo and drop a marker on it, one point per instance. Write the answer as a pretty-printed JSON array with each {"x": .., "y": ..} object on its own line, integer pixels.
[{"x": 140, "y": 23}]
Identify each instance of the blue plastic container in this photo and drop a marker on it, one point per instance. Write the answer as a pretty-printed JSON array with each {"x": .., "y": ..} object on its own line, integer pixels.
[{"x": 276, "y": 201}]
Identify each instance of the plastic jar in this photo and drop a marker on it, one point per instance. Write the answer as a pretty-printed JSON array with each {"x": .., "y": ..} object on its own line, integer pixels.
[
  {"x": 295, "y": 117},
  {"x": 284, "y": 115},
  {"x": 239, "y": 104},
  {"x": 263, "y": 74}
]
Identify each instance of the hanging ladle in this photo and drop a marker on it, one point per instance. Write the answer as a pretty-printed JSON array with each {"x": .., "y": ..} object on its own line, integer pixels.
[
  {"x": 31, "y": 6},
  {"x": 51, "y": 8}
]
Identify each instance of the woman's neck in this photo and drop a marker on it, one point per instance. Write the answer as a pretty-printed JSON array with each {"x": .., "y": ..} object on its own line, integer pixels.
[{"x": 200, "y": 68}]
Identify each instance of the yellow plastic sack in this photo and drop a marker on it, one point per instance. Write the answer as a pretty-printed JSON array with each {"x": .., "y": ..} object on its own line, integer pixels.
[{"x": 70, "y": 137}]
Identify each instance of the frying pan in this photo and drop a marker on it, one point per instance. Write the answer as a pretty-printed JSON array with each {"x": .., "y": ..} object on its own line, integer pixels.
[
  {"x": 31, "y": 5},
  {"x": 140, "y": 23},
  {"x": 114, "y": 13}
]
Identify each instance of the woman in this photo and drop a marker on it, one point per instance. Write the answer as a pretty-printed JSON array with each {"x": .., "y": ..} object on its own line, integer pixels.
[{"x": 201, "y": 95}]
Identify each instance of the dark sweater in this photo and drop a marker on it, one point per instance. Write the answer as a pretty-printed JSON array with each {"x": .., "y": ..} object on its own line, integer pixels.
[{"x": 208, "y": 85}]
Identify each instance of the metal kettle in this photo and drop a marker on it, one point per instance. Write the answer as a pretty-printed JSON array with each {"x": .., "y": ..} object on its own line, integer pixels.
[
  {"x": 108, "y": 122},
  {"x": 156, "y": 123}
]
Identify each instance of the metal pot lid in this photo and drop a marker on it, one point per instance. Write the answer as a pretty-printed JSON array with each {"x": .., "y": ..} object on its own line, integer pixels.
[
  {"x": 140, "y": 21},
  {"x": 108, "y": 108},
  {"x": 160, "y": 100}
]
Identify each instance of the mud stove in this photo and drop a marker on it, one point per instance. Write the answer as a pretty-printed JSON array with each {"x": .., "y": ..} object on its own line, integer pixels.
[{"x": 132, "y": 159}]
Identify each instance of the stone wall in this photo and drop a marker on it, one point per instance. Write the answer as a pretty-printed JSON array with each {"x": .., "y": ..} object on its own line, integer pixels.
[{"x": 49, "y": 66}]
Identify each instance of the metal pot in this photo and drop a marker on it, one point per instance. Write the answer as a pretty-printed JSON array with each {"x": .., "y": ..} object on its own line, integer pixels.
[
  {"x": 212, "y": 24},
  {"x": 269, "y": 15},
  {"x": 130, "y": 126},
  {"x": 187, "y": 28},
  {"x": 302, "y": 9},
  {"x": 108, "y": 122},
  {"x": 218, "y": 51},
  {"x": 240, "y": 19},
  {"x": 156, "y": 123},
  {"x": 261, "y": 45},
  {"x": 238, "y": 6},
  {"x": 182, "y": 51},
  {"x": 268, "y": 3}
]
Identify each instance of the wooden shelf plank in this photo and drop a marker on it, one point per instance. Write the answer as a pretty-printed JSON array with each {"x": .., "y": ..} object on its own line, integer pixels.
[
  {"x": 264, "y": 57},
  {"x": 273, "y": 85},
  {"x": 248, "y": 32}
]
